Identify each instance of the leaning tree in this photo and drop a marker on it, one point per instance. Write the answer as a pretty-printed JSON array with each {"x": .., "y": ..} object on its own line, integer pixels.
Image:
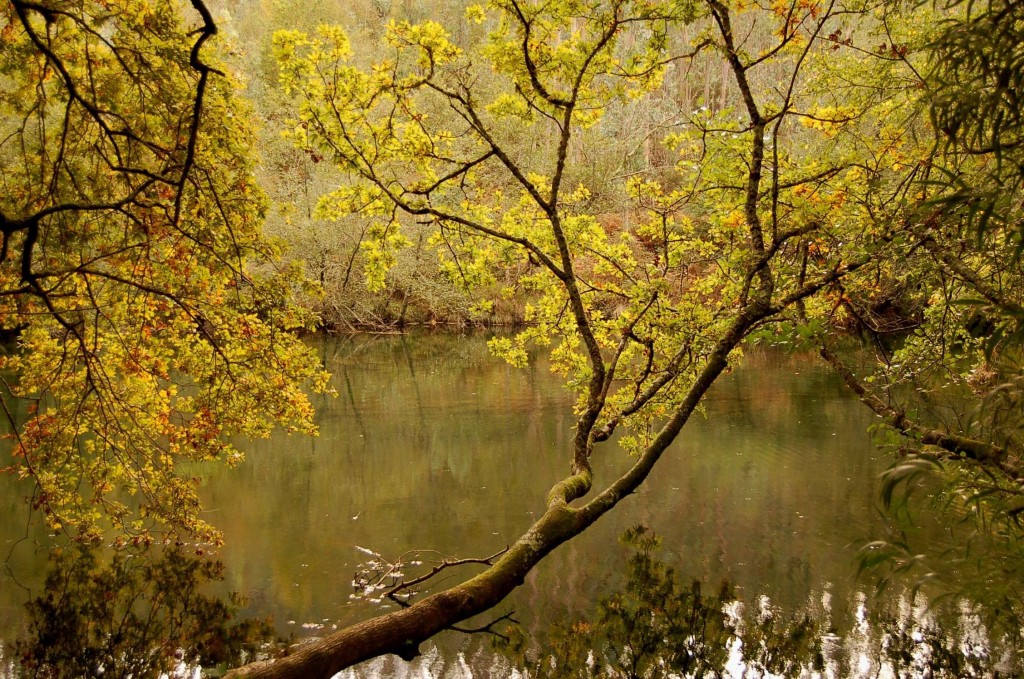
[{"x": 798, "y": 195}]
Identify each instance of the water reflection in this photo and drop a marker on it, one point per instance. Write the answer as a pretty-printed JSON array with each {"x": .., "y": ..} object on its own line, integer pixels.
[
  {"x": 660, "y": 625},
  {"x": 433, "y": 444},
  {"x": 118, "y": 614}
]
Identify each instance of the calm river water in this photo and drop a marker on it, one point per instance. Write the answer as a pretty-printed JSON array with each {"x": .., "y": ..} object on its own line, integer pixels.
[{"x": 433, "y": 444}]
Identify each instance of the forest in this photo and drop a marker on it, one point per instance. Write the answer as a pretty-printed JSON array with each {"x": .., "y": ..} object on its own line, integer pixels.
[{"x": 643, "y": 202}]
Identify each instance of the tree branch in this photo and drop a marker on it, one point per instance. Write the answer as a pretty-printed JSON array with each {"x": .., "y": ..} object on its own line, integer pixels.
[{"x": 956, "y": 445}]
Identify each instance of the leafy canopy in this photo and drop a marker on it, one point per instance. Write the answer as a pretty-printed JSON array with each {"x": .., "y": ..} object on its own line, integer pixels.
[
  {"x": 152, "y": 323},
  {"x": 770, "y": 202}
]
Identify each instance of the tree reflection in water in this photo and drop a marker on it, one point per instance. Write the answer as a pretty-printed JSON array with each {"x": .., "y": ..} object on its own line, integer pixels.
[
  {"x": 660, "y": 625},
  {"x": 143, "y": 615},
  {"x": 133, "y": 615}
]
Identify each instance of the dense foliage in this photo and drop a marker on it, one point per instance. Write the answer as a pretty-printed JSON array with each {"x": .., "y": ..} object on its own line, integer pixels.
[
  {"x": 747, "y": 223},
  {"x": 133, "y": 270}
]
